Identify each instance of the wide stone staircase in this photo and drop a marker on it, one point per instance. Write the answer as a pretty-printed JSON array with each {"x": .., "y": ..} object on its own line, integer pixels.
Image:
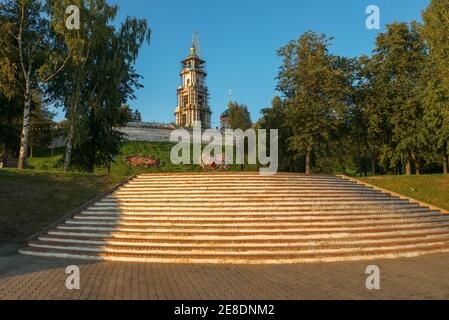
[{"x": 246, "y": 218}]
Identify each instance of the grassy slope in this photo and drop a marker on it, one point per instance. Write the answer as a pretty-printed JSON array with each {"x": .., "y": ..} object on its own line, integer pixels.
[
  {"x": 30, "y": 201},
  {"x": 433, "y": 189},
  {"x": 161, "y": 150}
]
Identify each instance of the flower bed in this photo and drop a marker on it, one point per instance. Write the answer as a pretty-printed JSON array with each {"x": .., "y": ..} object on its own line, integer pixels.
[
  {"x": 144, "y": 162},
  {"x": 213, "y": 164}
]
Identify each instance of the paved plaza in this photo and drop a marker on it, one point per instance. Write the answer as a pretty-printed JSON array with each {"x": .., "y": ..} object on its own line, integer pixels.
[{"x": 25, "y": 277}]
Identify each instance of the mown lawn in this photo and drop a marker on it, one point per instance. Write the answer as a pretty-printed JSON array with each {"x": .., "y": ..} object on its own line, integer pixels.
[
  {"x": 433, "y": 189},
  {"x": 32, "y": 200}
]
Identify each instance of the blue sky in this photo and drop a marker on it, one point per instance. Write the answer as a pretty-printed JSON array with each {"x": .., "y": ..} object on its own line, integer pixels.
[{"x": 239, "y": 39}]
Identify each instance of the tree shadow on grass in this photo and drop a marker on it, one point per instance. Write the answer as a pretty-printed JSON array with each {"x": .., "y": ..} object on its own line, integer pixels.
[{"x": 30, "y": 201}]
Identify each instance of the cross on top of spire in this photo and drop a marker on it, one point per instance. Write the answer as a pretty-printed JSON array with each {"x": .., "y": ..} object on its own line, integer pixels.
[{"x": 195, "y": 44}]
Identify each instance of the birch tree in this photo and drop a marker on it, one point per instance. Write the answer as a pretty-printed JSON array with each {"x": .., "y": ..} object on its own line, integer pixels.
[{"x": 28, "y": 26}]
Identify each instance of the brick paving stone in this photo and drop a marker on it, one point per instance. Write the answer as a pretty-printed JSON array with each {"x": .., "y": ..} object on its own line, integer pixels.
[{"x": 25, "y": 277}]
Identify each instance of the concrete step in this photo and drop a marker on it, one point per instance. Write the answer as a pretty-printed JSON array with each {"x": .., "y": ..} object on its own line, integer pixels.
[
  {"x": 242, "y": 259},
  {"x": 250, "y": 230},
  {"x": 247, "y": 250},
  {"x": 236, "y": 184},
  {"x": 336, "y": 208},
  {"x": 232, "y": 175},
  {"x": 241, "y": 187},
  {"x": 368, "y": 240},
  {"x": 241, "y": 234},
  {"x": 250, "y": 202},
  {"x": 257, "y": 224},
  {"x": 330, "y": 196},
  {"x": 230, "y": 212},
  {"x": 392, "y": 217},
  {"x": 245, "y": 218},
  {"x": 203, "y": 199},
  {"x": 266, "y": 179},
  {"x": 248, "y": 193}
]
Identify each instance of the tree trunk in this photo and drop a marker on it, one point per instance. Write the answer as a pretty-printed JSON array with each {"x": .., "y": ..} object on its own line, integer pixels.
[
  {"x": 92, "y": 143},
  {"x": 445, "y": 163},
  {"x": 69, "y": 147},
  {"x": 373, "y": 165},
  {"x": 417, "y": 164},
  {"x": 91, "y": 158},
  {"x": 26, "y": 128},
  {"x": 308, "y": 157},
  {"x": 408, "y": 166},
  {"x": 72, "y": 125},
  {"x": 4, "y": 157}
]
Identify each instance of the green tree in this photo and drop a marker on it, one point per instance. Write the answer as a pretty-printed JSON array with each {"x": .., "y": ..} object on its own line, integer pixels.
[
  {"x": 239, "y": 116},
  {"x": 10, "y": 120},
  {"x": 136, "y": 116},
  {"x": 28, "y": 38},
  {"x": 67, "y": 87},
  {"x": 41, "y": 127},
  {"x": 95, "y": 103},
  {"x": 397, "y": 61},
  {"x": 10, "y": 111},
  {"x": 274, "y": 118},
  {"x": 371, "y": 123},
  {"x": 103, "y": 99},
  {"x": 436, "y": 81},
  {"x": 315, "y": 90}
]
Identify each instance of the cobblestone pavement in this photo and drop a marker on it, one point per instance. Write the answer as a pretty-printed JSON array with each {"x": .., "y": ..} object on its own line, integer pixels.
[{"x": 24, "y": 277}]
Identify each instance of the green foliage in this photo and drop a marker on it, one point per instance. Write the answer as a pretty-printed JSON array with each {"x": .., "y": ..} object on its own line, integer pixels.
[
  {"x": 95, "y": 103},
  {"x": 136, "y": 116},
  {"x": 27, "y": 56},
  {"x": 435, "y": 82},
  {"x": 395, "y": 72},
  {"x": 315, "y": 86},
  {"x": 41, "y": 131},
  {"x": 274, "y": 118},
  {"x": 239, "y": 116},
  {"x": 386, "y": 113}
]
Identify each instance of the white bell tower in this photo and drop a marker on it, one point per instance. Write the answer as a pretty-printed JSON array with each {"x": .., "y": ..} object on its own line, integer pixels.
[{"x": 193, "y": 96}]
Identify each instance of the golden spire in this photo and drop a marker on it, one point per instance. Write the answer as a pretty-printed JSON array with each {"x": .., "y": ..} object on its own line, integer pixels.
[{"x": 193, "y": 48}]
